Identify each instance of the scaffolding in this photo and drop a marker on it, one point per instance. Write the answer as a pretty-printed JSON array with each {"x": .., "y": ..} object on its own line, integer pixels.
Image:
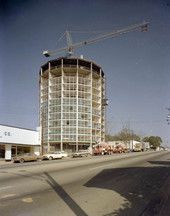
[{"x": 72, "y": 113}]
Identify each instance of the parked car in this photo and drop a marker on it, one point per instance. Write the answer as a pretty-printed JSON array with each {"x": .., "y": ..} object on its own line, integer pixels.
[
  {"x": 64, "y": 154},
  {"x": 26, "y": 157},
  {"x": 81, "y": 153},
  {"x": 53, "y": 155}
]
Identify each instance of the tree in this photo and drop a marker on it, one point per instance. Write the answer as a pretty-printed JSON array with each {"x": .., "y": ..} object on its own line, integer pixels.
[
  {"x": 108, "y": 137},
  {"x": 124, "y": 135},
  {"x": 145, "y": 139},
  {"x": 154, "y": 141}
]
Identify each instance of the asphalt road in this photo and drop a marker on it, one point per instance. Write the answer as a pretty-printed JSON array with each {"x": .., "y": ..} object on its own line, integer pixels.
[{"x": 129, "y": 184}]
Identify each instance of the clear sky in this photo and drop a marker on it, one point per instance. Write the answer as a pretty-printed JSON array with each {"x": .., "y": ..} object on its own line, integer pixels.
[{"x": 136, "y": 65}]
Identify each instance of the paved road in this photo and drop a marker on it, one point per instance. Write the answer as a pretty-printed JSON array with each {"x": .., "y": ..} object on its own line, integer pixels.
[{"x": 129, "y": 184}]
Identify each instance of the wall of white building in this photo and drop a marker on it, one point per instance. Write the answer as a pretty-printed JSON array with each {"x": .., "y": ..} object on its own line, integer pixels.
[
  {"x": 10, "y": 136},
  {"x": 18, "y": 135}
]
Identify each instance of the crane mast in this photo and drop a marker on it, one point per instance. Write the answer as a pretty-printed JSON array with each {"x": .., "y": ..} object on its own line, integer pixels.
[{"x": 70, "y": 46}]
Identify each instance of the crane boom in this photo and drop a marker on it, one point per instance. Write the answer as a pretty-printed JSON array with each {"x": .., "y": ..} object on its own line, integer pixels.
[{"x": 70, "y": 47}]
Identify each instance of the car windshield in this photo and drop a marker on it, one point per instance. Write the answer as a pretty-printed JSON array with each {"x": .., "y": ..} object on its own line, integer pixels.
[{"x": 23, "y": 154}]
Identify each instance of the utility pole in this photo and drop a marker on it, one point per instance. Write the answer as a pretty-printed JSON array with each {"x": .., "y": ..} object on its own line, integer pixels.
[
  {"x": 132, "y": 139},
  {"x": 168, "y": 116}
]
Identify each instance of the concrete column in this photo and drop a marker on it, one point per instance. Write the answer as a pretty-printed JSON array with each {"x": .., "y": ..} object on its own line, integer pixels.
[
  {"x": 101, "y": 104},
  {"x": 62, "y": 87},
  {"x": 48, "y": 111},
  {"x": 91, "y": 89},
  {"x": 77, "y": 105},
  {"x": 8, "y": 148}
]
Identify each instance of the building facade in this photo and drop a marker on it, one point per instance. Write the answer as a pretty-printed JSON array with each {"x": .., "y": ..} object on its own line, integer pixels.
[
  {"x": 72, "y": 104},
  {"x": 14, "y": 141}
]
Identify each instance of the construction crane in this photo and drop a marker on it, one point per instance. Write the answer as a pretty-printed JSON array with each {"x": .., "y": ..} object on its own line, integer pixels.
[{"x": 69, "y": 49}]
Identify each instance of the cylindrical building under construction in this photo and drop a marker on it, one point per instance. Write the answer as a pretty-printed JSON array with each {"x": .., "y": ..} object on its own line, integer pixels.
[{"x": 72, "y": 104}]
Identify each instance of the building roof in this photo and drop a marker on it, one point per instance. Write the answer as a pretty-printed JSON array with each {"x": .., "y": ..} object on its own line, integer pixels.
[
  {"x": 72, "y": 62},
  {"x": 17, "y": 127}
]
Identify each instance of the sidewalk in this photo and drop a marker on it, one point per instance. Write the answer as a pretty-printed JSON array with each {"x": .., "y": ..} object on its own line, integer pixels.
[{"x": 3, "y": 162}]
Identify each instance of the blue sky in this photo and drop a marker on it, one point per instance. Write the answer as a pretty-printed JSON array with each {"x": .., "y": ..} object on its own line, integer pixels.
[{"x": 136, "y": 65}]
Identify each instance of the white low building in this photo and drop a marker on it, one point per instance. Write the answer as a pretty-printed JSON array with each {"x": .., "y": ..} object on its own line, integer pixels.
[
  {"x": 15, "y": 140},
  {"x": 131, "y": 144}
]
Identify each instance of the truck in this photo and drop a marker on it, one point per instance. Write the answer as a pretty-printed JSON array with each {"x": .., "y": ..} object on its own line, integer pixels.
[
  {"x": 137, "y": 147},
  {"x": 102, "y": 149},
  {"x": 119, "y": 149}
]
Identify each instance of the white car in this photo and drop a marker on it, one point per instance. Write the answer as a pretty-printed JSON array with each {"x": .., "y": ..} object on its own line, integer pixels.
[
  {"x": 64, "y": 154},
  {"x": 53, "y": 155},
  {"x": 81, "y": 153}
]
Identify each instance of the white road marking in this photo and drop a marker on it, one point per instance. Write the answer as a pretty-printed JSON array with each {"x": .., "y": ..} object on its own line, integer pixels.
[
  {"x": 5, "y": 187},
  {"x": 7, "y": 196},
  {"x": 27, "y": 200}
]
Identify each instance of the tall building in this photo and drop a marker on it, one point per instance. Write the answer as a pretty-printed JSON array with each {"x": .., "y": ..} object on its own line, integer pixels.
[{"x": 72, "y": 104}]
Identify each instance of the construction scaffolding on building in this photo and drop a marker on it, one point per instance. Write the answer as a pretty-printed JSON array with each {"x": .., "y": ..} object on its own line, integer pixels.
[{"x": 72, "y": 99}]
